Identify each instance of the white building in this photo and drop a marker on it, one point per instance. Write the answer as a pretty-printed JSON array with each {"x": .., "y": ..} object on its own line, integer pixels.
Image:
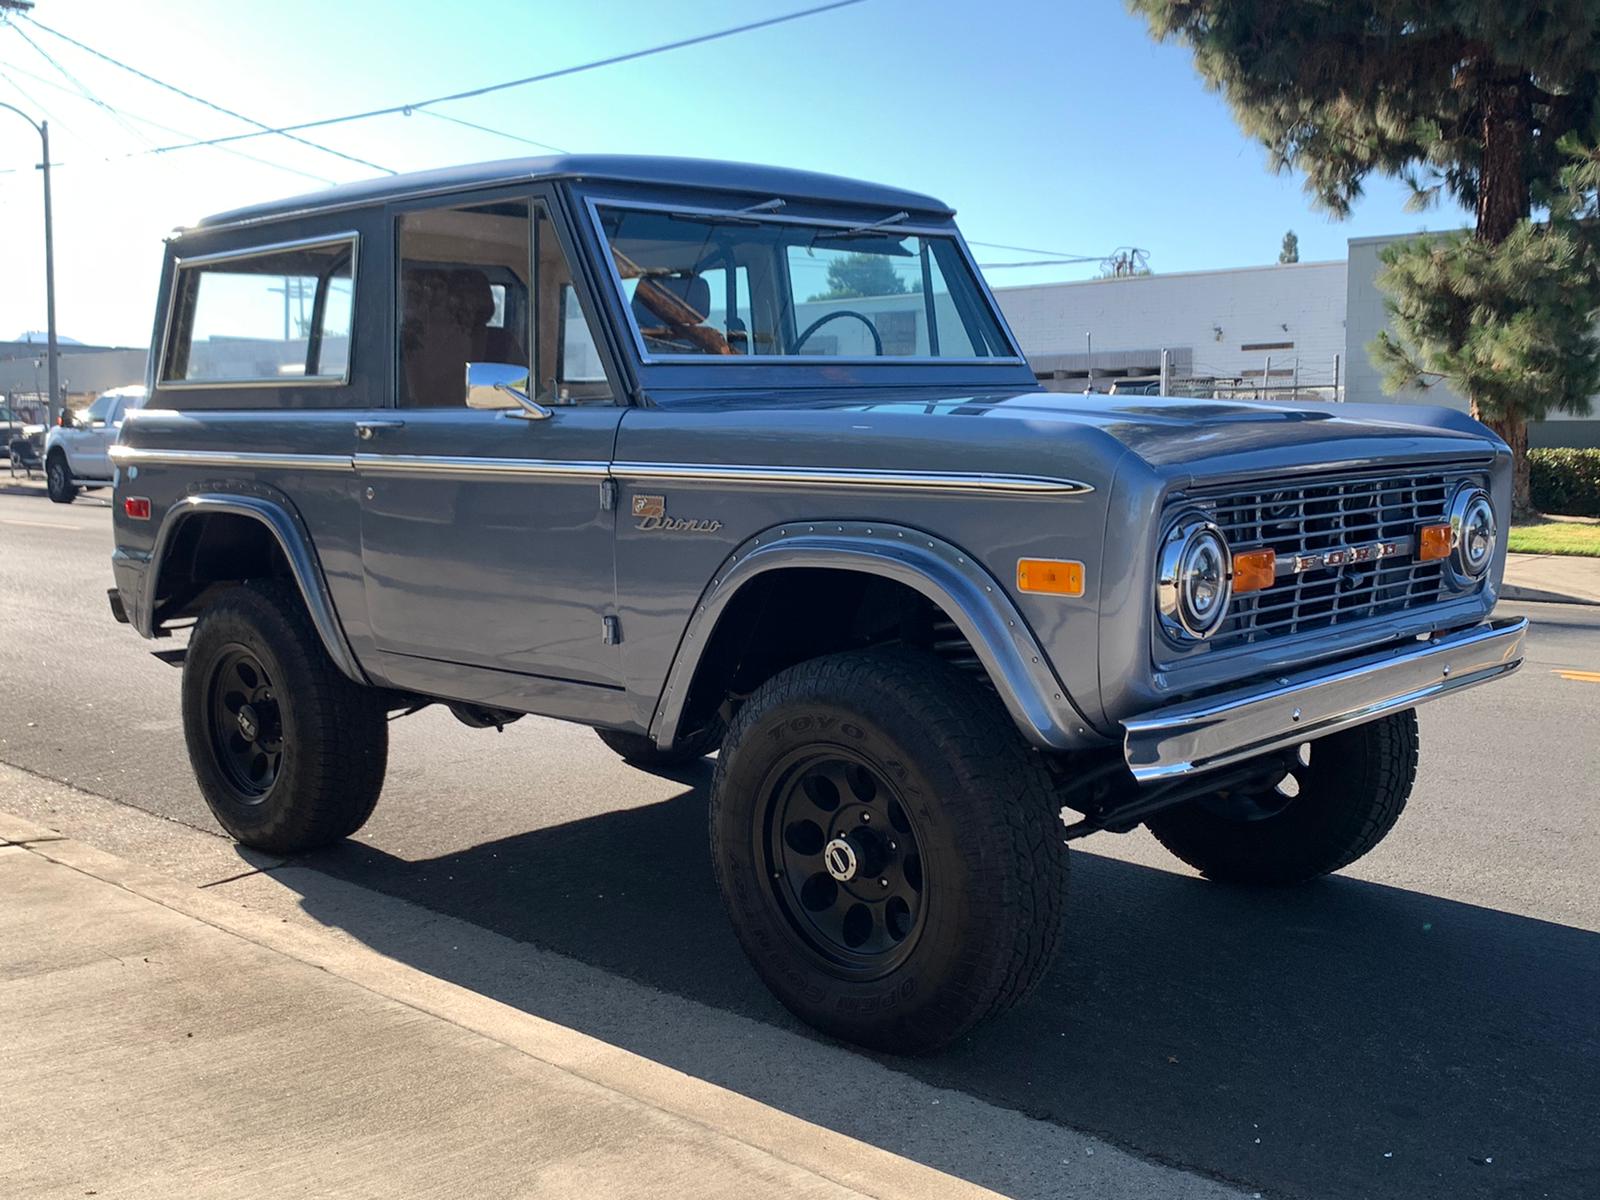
[
  {"x": 1277, "y": 330},
  {"x": 1249, "y": 324}
]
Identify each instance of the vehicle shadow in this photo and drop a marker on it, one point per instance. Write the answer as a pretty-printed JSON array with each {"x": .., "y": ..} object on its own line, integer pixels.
[{"x": 1344, "y": 1039}]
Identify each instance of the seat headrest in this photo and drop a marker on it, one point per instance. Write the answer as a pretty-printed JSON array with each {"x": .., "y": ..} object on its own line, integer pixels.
[{"x": 693, "y": 290}]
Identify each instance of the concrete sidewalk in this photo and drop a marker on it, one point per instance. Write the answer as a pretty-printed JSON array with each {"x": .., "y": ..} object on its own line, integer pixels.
[
  {"x": 1563, "y": 578},
  {"x": 162, "y": 1042}
]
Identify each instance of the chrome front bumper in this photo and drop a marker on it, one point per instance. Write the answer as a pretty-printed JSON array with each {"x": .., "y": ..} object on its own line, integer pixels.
[{"x": 1217, "y": 730}]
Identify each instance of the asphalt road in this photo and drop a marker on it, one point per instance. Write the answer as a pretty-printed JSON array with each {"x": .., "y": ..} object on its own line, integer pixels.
[{"x": 1425, "y": 1025}]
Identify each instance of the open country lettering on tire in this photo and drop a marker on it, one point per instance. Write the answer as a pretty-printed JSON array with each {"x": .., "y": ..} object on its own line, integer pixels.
[{"x": 595, "y": 438}]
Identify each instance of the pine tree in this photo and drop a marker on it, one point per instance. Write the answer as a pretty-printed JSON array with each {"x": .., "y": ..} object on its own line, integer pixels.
[
  {"x": 1290, "y": 253},
  {"x": 1484, "y": 101},
  {"x": 858, "y": 275}
]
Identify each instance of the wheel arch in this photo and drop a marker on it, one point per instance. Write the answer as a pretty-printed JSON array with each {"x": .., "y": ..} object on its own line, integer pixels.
[
  {"x": 213, "y": 538},
  {"x": 939, "y": 574}
]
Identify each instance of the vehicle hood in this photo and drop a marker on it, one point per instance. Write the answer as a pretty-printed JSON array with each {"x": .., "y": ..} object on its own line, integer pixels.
[{"x": 1214, "y": 437}]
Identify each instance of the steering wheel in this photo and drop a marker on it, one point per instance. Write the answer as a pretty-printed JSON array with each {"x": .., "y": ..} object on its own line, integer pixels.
[{"x": 877, "y": 342}]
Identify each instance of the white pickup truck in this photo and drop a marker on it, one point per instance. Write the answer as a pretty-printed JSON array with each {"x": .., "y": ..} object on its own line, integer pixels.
[{"x": 77, "y": 452}]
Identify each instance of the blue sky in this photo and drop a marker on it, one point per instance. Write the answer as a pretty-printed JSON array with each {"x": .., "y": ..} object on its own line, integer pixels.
[{"x": 1052, "y": 125}]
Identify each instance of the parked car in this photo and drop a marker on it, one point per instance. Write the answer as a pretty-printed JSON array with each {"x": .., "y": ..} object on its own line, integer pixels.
[
  {"x": 599, "y": 439},
  {"x": 76, "y": 451},
  {"x": 22, "y": 441}
]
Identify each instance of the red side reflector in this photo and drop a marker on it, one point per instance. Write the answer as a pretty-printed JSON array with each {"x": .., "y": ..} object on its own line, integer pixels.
[
  {"x": 137, "y": 508},
  {"x": 1254, "y": 570},
  {"x": 1433, "y": 543}
]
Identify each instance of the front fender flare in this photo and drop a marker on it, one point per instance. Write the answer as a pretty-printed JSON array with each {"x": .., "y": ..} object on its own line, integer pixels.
[
  {"x": 947, "y": 576},
  {"x": 292, "y": 538}
]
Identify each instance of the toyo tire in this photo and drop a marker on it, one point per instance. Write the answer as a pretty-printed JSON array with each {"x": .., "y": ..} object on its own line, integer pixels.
[
  {"x": 888, "y": 847},
  {"x": 1340, "y": 798},
  {"x": 289, "y": 753}
]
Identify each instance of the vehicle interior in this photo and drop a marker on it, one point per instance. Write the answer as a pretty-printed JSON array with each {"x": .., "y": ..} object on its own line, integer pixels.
[
  {"x": 708, "y": 285},
  {"x": 465, "y": 297}
]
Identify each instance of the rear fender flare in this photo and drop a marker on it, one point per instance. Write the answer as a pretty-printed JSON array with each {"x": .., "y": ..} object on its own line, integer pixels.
[
  {"x": 293, "y": 539},
  {"x": 949, "y": 577}
]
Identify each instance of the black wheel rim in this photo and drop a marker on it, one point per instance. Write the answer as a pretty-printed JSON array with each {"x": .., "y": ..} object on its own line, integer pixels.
[
  {"x": 58, "y": 476},
  {"x": 843, "y": 861},
  {"x": 1265, "y": 803},
  {"x": 245, "y": 724}
]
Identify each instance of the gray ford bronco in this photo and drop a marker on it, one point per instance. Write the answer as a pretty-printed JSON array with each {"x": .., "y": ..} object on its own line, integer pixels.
[{"x": 713, "y": 457}]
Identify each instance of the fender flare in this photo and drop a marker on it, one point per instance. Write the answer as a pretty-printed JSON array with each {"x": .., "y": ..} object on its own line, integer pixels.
[
  {"x": 292, "y": 538},
  {"x": 949, "y": 577}
]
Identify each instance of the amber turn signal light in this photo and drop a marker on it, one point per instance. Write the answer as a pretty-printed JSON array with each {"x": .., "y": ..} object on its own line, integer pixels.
[
  {"x": 1254, "y": 570},
  {"x": 1051, "y": 576},
  {"x": 1433, "y": 543}
]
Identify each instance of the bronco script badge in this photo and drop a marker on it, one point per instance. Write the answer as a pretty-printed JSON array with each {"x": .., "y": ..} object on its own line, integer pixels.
[{"x": 651, "y": 512}]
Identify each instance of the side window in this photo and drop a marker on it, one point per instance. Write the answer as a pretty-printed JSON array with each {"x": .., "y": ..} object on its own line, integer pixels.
[
  {"x": 569, "y": 366},
  {"x": 463, "y": 297},
  {"x": 100, "y": 410},
  {"x": 277, "y": 317}
]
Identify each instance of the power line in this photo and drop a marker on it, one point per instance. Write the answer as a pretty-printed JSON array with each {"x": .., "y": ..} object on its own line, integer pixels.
[
  {"x": 1041, "y": 262},
  {"x": 262, "y": 127},
  {"x": 143, "y": 120},
  {"x": 612, "y": 60},
  {"x": 515, "y": 137},
  {"x": 1054, "y": 254},
  {"x": 72, "y": 79}
]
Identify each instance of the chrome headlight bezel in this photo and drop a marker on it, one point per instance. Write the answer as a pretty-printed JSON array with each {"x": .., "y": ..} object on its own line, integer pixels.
[
  {"x": 1194, "y": 551},
  {"x": 1474, "y": 534}
]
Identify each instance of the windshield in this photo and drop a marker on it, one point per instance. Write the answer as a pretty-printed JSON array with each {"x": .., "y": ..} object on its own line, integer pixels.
[{"x": 732, "y": 286}]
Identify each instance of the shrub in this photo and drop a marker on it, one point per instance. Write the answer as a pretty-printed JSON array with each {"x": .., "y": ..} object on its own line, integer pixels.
[{"x": 1566, "y": 481}]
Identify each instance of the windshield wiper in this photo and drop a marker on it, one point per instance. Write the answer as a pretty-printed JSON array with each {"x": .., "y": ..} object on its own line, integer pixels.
[
  {"x": 868, "y": 228},
  {"x": 737, "y": 216}
]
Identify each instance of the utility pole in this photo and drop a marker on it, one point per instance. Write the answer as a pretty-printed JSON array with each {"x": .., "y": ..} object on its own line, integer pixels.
[
  {"x": 42, "y": 128},
  {"x": 1088, "y": 362}
]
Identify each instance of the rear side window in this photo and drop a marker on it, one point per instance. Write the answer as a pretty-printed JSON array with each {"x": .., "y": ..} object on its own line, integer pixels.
[{"x": 277, "y": 316}]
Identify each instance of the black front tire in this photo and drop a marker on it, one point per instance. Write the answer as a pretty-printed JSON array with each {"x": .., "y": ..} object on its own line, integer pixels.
[
  {"x": 289, "y": 753},
  {"x": 1348, "y": 789},
  {"x": 638, "y": 750},
  {"x": 930, "y": 758},
  {"x": 58, "y": 479}
]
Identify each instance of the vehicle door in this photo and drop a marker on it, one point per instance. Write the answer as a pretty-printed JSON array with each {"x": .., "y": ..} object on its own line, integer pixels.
[
  {"x": 88, "y": 445},
  {"x": 486, "y": 520}
]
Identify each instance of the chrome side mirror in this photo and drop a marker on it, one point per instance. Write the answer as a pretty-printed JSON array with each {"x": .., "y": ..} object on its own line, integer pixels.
[{"x": 505, "y": 386}]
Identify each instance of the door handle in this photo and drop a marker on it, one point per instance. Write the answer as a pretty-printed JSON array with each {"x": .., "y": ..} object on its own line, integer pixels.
[{"x": 366, "y": 429}]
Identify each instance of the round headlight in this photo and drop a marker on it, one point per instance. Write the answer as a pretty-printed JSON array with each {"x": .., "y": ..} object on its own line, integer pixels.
[
  {"x": 1472, "y": 531},
  {"x": 1195, "y": 580}
]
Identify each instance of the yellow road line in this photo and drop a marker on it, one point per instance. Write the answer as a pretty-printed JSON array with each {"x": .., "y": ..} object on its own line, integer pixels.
[{"x": 1578, "y": 676}]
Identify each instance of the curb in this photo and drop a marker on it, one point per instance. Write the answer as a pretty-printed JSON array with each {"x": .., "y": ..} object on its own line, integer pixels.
[
  {"x": 1513, "y": 592},
  {"x": 835, "y": 1157}
]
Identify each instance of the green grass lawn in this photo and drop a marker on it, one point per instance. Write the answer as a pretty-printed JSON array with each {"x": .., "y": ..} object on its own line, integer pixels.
[{"x": 1571, "y": 536}]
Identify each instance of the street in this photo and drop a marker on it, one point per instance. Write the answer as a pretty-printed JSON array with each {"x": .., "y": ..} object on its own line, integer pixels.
[{"x": 1425, "y": 1024}]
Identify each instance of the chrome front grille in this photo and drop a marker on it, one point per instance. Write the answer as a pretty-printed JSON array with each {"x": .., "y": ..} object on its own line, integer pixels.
[{"x": 1307, "y": 520}]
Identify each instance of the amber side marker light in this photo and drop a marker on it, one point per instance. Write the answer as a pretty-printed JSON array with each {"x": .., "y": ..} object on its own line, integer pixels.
[
  {"x": 1433, "y": 543},
  {"x": 1050, "y": 576},
  {"x": 1254, "y": 570}
]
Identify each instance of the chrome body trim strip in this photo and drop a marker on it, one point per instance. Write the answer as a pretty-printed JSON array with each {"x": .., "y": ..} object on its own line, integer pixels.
[
  {"x": 812, "y": 477},
  {"x": 134, "y": 456},
  {"x": 462, "y": 467},
  {"x": 1216, "y": 731},
  {"x": 474, "y": 468}
]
